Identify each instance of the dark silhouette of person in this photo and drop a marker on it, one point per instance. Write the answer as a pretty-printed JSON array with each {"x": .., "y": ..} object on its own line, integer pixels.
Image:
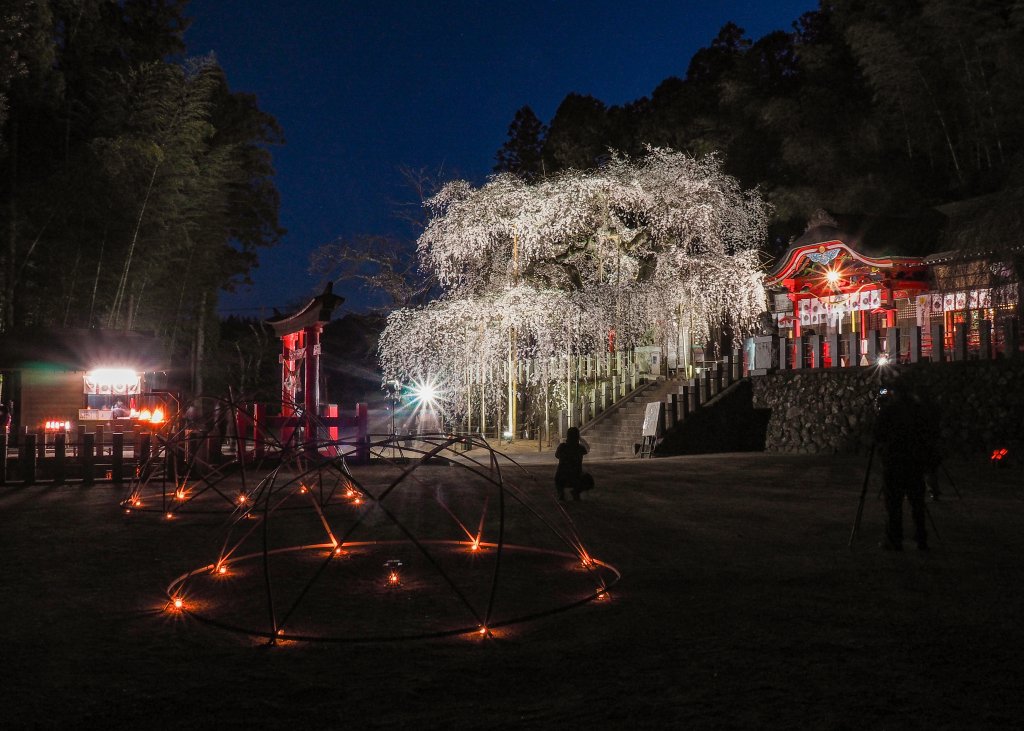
[
  {"x": 569, "y": 473},
  {"x": 932, "y": 415},
  {"x": 119, "y": 411},
  {"x": 906, "y": 441}
]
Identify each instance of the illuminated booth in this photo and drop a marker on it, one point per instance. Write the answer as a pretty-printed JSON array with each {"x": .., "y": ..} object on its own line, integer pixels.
[{"x": 62, "y": 379}]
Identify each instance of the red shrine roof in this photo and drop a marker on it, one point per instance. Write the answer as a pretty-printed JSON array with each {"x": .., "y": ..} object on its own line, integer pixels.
[{"x": 826, "y": 268}]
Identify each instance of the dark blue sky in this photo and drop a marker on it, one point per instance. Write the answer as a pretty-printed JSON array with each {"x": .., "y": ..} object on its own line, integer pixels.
[{"x": 363, "y": 88}]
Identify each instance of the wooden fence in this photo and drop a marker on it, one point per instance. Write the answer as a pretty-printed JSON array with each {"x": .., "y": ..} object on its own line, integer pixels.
[{"x": 892, "y": 345}]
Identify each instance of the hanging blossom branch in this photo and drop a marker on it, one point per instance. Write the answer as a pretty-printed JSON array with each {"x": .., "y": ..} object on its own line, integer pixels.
[{"x": 538, "y": 271}]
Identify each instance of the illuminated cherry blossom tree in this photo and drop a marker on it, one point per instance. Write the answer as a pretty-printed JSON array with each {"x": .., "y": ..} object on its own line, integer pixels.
[{"x": 532, "y": 272}]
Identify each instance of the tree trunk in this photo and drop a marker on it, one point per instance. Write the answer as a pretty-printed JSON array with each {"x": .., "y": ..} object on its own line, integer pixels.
[
  {"x": 198, "y": 346},
  {"x": 12, "y": 230},
  {"x": 96, "y": 281},
  {"x": 123, "y": 284}
]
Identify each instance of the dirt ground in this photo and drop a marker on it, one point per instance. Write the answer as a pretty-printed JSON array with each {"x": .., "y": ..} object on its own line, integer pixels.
[{"x": 740, "y": 606}]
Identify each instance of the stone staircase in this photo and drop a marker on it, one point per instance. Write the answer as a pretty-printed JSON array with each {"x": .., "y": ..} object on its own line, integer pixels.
[{"x": 615, "y": 432}]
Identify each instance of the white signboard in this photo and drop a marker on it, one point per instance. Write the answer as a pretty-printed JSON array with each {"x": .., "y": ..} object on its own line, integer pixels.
[
  {"x": 814, "y": 311},
  {"x": 952, "y": 301},
  {"x": 652, "y": 418}
]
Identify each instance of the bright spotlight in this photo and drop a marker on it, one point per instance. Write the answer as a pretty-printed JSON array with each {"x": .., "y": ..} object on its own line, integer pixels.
[
  {"x": 425, "y": 393},
  {"x": 832, "y": 276},
  {"x": 883, "y": 360}
]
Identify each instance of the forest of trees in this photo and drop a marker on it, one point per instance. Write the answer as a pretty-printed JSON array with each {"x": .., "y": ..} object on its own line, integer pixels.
[
  {"x": 871, "y": 107},
  {"x": 134, "y": 183}
]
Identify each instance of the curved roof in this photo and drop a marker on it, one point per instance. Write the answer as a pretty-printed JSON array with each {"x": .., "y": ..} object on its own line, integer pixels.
[{"x": 318, "y": 310}]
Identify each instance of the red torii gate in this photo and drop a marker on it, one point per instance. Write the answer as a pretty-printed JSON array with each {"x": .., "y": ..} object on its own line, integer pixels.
[{"x": 300, "y": 374}]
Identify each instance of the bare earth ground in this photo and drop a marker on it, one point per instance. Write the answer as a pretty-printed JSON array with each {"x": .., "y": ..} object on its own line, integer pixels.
[{"x": 740, "y": 606}]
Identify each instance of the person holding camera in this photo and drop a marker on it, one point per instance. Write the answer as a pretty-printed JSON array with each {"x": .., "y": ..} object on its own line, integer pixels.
[
  {"x": 569, "y": 473},
  {"x": 905, "y": 438}
]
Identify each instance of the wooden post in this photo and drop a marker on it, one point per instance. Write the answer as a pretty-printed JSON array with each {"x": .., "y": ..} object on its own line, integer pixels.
[
  {"x": 817, "y": 353},
  {"x": 242, "y": 425},
  {"x": 832, "y": 341},
  {"x": 915, "y": 343},
  {"x": 872, "y": 354},
  {"x": 985, "y": 339},
  {"x": 3, "y": 456},
  {"x": 87, "y": 457},
  {"x": 960, "y": 342},
  {"x": 783, "y": 353},
  {"x": 672, "y": 409},
  {"x": 27, "y": 457},
  {"x": 938, "y": 343},
  {"x": 117, "y": 457},
  {"x": 892, "y": 344},
  {"x": 59, "y": 457},
  {"x": 695, "y": 401},
  {"x": 362, "y": 419},
  {"x": 706, "y": 393},
  {"x": 146, "y": 449},
  {"x": 259, "y": 446},
  {"x": 852, "y": 349},
  {"x": 1011, "y": 338},
  {"x": 687, "y": 399}
]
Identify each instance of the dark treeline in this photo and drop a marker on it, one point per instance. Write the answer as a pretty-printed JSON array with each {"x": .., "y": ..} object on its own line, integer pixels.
[
  {"x": 134, "y": 183},
  {"x": 871, "y": 107}
]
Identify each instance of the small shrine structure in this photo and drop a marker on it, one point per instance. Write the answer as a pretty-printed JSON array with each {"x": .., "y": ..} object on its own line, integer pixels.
[{"x": 301, "y": 407}]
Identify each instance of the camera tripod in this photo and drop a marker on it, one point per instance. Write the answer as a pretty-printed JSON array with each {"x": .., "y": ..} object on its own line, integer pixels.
[{"x": 864, "y": 492}]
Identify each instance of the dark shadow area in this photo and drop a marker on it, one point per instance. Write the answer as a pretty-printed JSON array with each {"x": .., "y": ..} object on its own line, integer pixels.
[{"x": 727, "y": 423}]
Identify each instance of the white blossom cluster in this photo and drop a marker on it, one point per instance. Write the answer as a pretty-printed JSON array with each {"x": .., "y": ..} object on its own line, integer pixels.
[{"x": 544, "y": 270}]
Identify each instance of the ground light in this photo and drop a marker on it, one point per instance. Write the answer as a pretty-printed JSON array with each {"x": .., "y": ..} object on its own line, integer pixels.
[{"x": 412, "y": 520}]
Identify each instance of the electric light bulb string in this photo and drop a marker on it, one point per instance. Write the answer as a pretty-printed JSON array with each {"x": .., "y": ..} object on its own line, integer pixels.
[
  {"x": 175, "y": 590},
  {"x": 569, "y": 539},
  {"x": 192, "y": 489},
  {"x": 476, "y": 467},
  {"x": 266, "y": 563},
  {"x": 305, "y": 590},
  {"x": 498, "y": 553},
  {"x": 270, "y": 485}
]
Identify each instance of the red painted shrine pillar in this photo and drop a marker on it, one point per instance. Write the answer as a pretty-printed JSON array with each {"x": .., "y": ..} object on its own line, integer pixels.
[
  {"x": 291, "y": 354},
  {"x": 311, "y": 377},
  {"x": 300, "y": 363}
]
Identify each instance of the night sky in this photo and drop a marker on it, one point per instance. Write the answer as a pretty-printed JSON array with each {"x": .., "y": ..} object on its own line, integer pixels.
[{"x": 363, "y": 88}]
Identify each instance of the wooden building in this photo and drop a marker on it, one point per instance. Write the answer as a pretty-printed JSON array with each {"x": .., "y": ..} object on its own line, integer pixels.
[
  {"x": 835, "y": 280},
  {"x": 60, "y": 379}
]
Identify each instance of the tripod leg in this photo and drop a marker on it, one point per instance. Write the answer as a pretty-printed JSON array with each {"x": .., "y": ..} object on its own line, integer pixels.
[
  {"x": 863, "y": 492},
  {"x": 932, "y": 521}
]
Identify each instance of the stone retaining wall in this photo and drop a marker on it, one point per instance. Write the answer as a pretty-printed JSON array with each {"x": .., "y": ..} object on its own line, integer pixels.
[{"x": 832, "y": 411}]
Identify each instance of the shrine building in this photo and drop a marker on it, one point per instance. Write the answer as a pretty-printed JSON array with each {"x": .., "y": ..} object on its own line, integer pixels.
[{"x": 833, "y": 285}]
